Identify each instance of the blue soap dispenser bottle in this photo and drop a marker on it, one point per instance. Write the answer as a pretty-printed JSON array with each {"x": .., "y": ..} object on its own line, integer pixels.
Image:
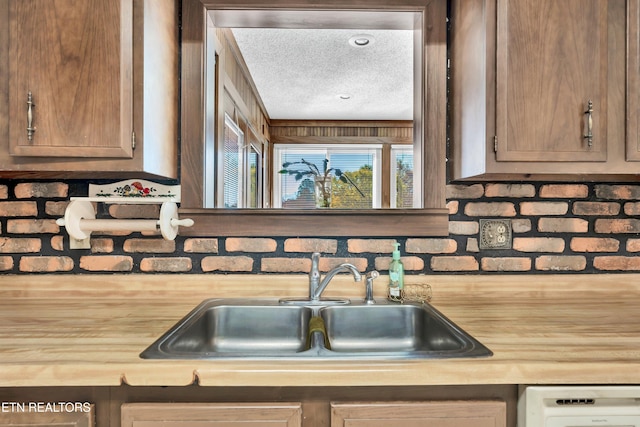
[{"x": 396, "y": 275}]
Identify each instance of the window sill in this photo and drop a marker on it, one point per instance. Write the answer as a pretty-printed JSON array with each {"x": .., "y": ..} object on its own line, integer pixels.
[{"x": 312, "y": 223}]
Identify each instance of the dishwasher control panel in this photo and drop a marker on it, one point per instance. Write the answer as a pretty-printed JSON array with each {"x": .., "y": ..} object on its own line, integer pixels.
[{"x": 579, "y": 406}]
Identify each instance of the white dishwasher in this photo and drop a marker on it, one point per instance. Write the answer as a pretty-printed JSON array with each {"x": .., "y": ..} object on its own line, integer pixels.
[{"x": 579, "y": 406}]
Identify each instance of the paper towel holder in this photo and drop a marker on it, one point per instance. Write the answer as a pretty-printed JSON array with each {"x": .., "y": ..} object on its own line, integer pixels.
[{"x": 80, "y": 215}]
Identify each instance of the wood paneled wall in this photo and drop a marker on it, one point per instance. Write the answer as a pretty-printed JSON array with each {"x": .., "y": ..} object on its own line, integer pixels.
[
  {"x": 298, "y": 131},
  {"x": 238, "y": 83}
]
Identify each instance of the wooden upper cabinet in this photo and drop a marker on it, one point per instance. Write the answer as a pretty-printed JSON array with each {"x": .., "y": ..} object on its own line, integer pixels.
[
  {"x": 531, "y": 80},
  {"x": 551, "y": 62},
  {"x": 92, "y": 87},
  {"x": 74, "y": 58},
  {"x": 418, "y": 414}
]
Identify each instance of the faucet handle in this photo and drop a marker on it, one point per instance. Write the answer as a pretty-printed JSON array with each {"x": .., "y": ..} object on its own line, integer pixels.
[
  {"x": 314, "y": 274},
  {"x": 370, "y": 276},
  {"x": 315, "y": 264}
]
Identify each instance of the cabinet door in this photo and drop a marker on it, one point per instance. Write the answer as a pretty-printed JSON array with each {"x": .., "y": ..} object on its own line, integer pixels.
[
  {"x": 26, "y": 417},
  {"x": 212, "y": 414},
  {"x": 419, "y": 414},
  {"x": 551, "y": 62},
  {"x": 633, "y": 81},
  {"x": 74, "y": 58}
]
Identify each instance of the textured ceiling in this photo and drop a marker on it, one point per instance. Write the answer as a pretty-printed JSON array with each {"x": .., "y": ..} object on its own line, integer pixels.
[{"x": 301, "y": 73}]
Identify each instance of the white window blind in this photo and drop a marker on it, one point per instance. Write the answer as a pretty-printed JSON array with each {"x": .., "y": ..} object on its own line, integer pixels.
[
  {"x": 233, "y": 164},
  {"x": 360, "y": 164},
  {"x": 401, "y": 177}
]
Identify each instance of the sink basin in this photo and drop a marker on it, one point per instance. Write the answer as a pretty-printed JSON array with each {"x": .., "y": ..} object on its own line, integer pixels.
[
  {"x": 407, "y": 329},
  {"x": 222, "y": 328},
  {"x": 264, "y": 328}
]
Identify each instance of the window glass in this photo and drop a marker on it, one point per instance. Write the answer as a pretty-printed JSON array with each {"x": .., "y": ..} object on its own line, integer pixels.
[
  {"x": 344, "y": 177},
  {"x": 232, "y": 185},
  {"x": 254, "y": 173},
  {"x": 401, "y": 177}
]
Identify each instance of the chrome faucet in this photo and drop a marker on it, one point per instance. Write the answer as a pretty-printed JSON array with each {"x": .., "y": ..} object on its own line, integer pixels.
[{"x": 317, "y": 285}]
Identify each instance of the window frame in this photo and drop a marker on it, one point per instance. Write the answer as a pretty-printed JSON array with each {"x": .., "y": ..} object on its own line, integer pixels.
[{"x": 429, "y": 130}]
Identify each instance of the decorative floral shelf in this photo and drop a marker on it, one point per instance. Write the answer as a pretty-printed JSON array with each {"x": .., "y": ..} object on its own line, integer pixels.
[{"x": 134, "y": 191}]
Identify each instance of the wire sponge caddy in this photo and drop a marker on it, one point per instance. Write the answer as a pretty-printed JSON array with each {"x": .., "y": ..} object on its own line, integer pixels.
[{"x": 414, "y": 292}]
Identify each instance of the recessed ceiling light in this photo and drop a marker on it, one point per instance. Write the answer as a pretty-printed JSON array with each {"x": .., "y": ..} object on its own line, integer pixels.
[
  {"x": 344, "y": 96},
  {"x": 361, "y": 40}
]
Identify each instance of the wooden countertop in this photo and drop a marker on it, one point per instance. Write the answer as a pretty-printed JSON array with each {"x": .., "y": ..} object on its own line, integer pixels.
[{"x": 88, "y": 330}]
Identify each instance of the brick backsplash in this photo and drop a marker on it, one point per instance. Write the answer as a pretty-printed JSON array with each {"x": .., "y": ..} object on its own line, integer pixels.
[{"x": 557, "y": 227}]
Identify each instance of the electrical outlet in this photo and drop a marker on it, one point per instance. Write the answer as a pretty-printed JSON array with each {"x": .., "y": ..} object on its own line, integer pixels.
[{"x": 495, "y": 234}]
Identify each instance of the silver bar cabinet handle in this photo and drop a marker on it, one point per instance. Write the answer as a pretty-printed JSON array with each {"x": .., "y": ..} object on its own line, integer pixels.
[
  {"x": 30, "y": 129},
  {"x": 589, "y": 135}
]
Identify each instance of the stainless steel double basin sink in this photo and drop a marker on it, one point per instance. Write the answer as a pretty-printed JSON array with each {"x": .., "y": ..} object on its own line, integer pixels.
[{"x": 264, "y": 329}]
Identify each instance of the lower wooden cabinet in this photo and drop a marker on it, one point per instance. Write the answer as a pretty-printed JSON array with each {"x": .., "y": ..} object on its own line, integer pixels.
[
  {"x": 419, "y": 414},
  {"x": 308, "y": 406},
  {"x": 53, "y": 414},
  {"x": 343, "y": 414},
  {"x": 212, "y": 414}
]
